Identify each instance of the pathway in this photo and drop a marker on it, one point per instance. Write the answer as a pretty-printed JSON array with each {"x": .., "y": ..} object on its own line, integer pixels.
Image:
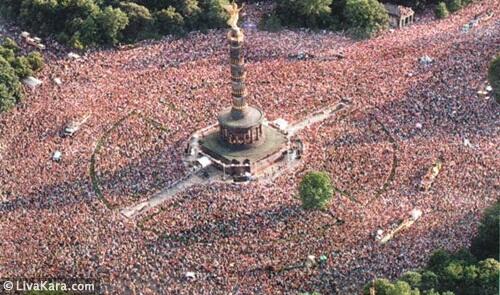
[
  {"x": 214, "y": 175},
  {"x": 165, "y": 194}
]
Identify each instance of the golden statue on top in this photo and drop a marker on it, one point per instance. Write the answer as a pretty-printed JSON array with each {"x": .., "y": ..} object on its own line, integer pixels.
[{"x": 233, "y": 11}]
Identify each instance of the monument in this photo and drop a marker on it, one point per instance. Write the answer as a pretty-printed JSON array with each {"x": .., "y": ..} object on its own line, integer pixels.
[
  {"x": 243, "y": 143},
  {"x": 240, "y": 124}
]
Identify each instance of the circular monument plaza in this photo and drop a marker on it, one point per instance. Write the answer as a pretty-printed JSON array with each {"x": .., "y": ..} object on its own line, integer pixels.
[{"x": 185, "y": 175}]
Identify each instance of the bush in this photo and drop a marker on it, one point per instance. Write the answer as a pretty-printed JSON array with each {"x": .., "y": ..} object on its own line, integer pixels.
[
  {"x": 111, "y": 21},
  {"x": 441, "y": 10},
  {"x": 10, "y": 8},
  {"x": 414, "y": 279},
  {"x": 83, "y": 23},
  {"x": 271, "y": 23},
  {"x": 68, "y": 19},
  {"x": 153, "y": 4},
  {"x": 10, "y": 87},
  {"x": 380, "y": 286},
  {"x": 51, "y": 16},
  {"x": 315, "y": 190},
  {"x": 7, "y": 54},
  {"x": 35, "y": 60},
  {"x": 454, "y": 273},
  {"x": 366, "y": 17},
  {"x": 10, "y": 44},
  {"x": 213, "y": 16},
  {"x": 103, "y": 27},
  {"x": 189, "y": 8},
  {"x": 385, "y": 287},
  {"x": 12, "y": 68},
  {"x": 454, "y": 5},
  {"x": 139, "y": 20},
  {"x": 169, "y": 21},
  {"x": 494, "y": 79},
  {"x": 85, "y": 32},
  {"x": 429, "y": 280},
  {"x": 487, "y": 276},
  {"x": 402, "y": 288},
  {"x": 451, "y": 275},
  {"x": 22, "y": 67},
  {"x": 304, "y": 13},
  {"x": 486, "y": 243}
]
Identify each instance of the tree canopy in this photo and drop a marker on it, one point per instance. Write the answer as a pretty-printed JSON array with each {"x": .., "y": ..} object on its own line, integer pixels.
[
  {"x": 494, "y": 78},
  {"x": 459, "y": 273},
  {"x": 316, "y": 190},
  {"x": 14, "y": 67},
  {"x": 83, "y": 23}
]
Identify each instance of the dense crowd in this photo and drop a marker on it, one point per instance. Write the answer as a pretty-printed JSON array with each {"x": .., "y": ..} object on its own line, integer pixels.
[{"x": 254, "y": 238}]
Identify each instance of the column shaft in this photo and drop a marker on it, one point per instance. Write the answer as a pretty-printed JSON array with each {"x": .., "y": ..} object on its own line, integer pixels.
[{"x": 237, "y": 70}]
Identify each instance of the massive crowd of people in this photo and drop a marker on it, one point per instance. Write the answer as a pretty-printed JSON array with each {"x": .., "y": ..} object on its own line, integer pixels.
[{"x": 253, "y": 238}]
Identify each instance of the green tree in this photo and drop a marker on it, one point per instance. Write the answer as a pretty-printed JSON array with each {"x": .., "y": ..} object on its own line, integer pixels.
[
  {"x": 494, "y": 79},
  {"x": 52, "y": 16},
  {"x": 10, "y": 8},
  {"x": 462, "y": 275},
  {"x": 486, "y": 243},
  {"x": 35, "y": 60},
  {"x": 366, "y": 17},
  {"x": 40, "y": 15},
  {"x": 10, "y": 87},
  {"x": 414, "y": 279},
  {"x": 271, "y": 23},
  {"x": 385, "y": 287},
  {"x": 22, "y": 67},
  {"x": 151, "y": 4},
  {"x": 188, "y": 8},
  {"x": 83, "y": 23},
  {"x": 169, "y": 21},
  {"x": 8, "y": 54},
  {"x": 213, "y": 14},
  {"x": 316, "y": 190},
  {"x": 139, "y": 20},
  {"x": 441, "y": 10},
  {"x": 86, "y": 32},
  {"x": 402, "y": 288},
  {"x": 454, "y": 5},
  {"x": 488, "y": 273},
  {"x": 381, "y": 287},
  {"x": 471, "y": 273},
  {"x": 439, "y": 259},
  {"x": 429, "y": 280},
  {"x": 304, "y": 13},
  {"x": 10, "y": 44},
  {"x": 111, "y": 23},
  {"x": 315, "y": 7},
  {"x": 453, "y": 273}
]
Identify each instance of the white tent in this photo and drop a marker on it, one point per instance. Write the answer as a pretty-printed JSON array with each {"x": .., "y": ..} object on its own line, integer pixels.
[
  {"x": 416, "y": 213},
  {"x": 281, "y": 123},
  {"x": 204, "y": 161},
  {"x": 32, "y": 82}
]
